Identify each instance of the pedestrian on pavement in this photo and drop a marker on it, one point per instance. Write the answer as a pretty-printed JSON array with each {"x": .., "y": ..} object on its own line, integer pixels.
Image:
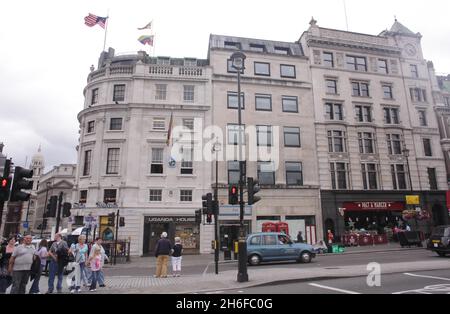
[
  {"x": 101, "y": 276},
  {"x": 94, "y": 262},
  {"x": 20, "y": 265},
  {"x": 177, "y": 253},
  {"x": 79, "y": 251},
  {"x": 6, "y": 251},
  {"x": 300, "y": 237},
  {"x": 330, "y": 237},
  {"x": 162, "y": 252},
  {"x": 42, "y": 253},
  {"x": 58, "y": 253}
]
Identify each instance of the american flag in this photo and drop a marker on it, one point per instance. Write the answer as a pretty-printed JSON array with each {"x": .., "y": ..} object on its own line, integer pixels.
[{"x": 92, "y": 19}]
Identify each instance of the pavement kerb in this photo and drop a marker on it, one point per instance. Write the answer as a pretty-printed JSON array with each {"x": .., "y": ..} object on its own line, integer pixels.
[{"x": 397, "y": 249}]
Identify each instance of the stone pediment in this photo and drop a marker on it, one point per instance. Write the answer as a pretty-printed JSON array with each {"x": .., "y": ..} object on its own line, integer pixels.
[{"x": 63, "y": 184}]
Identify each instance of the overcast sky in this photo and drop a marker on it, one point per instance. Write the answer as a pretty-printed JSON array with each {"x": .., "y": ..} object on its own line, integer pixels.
[{"x": 46, "y": 50}]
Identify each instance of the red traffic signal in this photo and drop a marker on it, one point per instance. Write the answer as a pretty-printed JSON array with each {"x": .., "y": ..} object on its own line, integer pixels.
[
  {"x": 4, "y": 183},
  {"x": 233, "y": 195}
]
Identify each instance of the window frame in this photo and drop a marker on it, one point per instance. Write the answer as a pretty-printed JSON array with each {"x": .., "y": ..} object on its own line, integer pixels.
[
  {"x": 336, "y": 174},
  {"x": 394, "y": 143},
  {"x": 106, "y": 199},
  {"x": 231, "y": 170},
  {"x": 332, "y": 90},
  {"x": 234, "y": 94},
  {"x": 432, "y": 179},
  {"x": 113, "y": 164},
  {"x": 160, "y": 91},
  {"x": 427, "y": 147},
  {"x": 289, "y": 98},
  {"x": 390, "y": 117},
  {"x": 157, "y": 164},
  {"x": 187, "y": 194},
  {"x": 422, "y": 114},
  {"x": 332, "y": 141},
  {"x": 300, "y": 172},
  {"x": 117, "y": 92},
  {"x": 360, "y": 90},
  {"x": 90, "y": 127},
  {"x": 368, "y": 175},
  {"x": 364, "y": 113},
  {"x": 162, "y": 121},
  {"x": 235, "y": 130},
  {"x": 94, "y": 96},
  {"x": 87, "y": 160},
  {"x": 269, "y": 135},
  {"x": 187, "y": 166},
  {"x": 385, "y": 69},
  {"x": 395, "y": 173},
  {"x": 258, "y": 63},
  {"x": 327, "y": 62},
  {"x": 83, "y": 198},
  {"x": 295, "y": 133},
  {"x": 363, "y": 140},
  {"x": 414, "y": 70},
  {"x": 355, "y": 65},
  {"x": 115, "y": 123},
  {"x": 157, "y": 197},
  {"x": 331, "y": 113},
  {"x": 262, "y": 182},
  {"x": 190, "y": 93},
  {"x": 282, "y": 66},
  {"x": 387, "y": 94},
  {"x": 263, "y": 96}
]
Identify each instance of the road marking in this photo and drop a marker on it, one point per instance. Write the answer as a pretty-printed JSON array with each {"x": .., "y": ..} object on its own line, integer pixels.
[
  {"x": 214, "y": 292},
  {"x": 424, "y": 276},
  {"x": 240, "y": 291},
  {"x": 334, "y": 289}
]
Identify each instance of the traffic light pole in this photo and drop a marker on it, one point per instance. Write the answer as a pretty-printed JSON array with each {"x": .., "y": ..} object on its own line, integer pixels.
[
  {"x": 116, "y": 236},
  {"x": 58, "y": 215},
  {"x": 216, "y": 217}
]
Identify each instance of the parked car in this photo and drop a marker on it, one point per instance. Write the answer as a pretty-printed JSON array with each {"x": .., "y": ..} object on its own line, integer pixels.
[
  {"x": 275, "y": 246},
  {"x": 439, "y": 241}
]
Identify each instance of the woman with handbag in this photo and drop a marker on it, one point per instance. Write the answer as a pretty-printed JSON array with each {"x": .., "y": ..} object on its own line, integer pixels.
[
  {"x": 6, "y": 251},
  {"x": 42, "y": 253}
]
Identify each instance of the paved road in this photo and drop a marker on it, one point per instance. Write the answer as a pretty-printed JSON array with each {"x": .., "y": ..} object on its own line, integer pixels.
[
  {"x": 207, "y": 264},
  {"x": 425, "y": 282}
]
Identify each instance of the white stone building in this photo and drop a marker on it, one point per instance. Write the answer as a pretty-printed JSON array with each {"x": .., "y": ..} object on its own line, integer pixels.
[{"x": 123, "y": 156}]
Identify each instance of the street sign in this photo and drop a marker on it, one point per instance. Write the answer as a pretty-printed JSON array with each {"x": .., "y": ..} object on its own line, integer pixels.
[
  {"x": 25, "y": 225},
  {"x": 412, "y": 200}
]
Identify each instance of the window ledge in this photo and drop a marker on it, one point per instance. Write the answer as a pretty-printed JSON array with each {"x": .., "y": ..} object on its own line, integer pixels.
[
  {"x": 161, "y": 175},
  {"x": 193, "y": 176},
  {"x": 111, "y": 175},
  {"x": 114, "y": 131}
]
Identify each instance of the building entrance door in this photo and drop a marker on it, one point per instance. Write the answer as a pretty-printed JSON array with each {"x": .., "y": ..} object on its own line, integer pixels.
[{"x": 152, "y": 233}]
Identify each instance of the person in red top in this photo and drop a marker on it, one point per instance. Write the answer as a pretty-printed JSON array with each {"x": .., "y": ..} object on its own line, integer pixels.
[{"x": 330, "y": 237}]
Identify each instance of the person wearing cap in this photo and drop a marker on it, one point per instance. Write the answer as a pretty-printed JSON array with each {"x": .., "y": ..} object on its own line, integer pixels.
[{"x": 162, "y": 252}]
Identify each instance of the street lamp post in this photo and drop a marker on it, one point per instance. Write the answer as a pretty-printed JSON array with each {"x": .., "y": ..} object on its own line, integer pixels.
[
  {"x": 237, "y": 61},
  {"x": 47, "y": 185},
  {"x": 406, "y": 154},
  {"x": 216, "y": 149}
]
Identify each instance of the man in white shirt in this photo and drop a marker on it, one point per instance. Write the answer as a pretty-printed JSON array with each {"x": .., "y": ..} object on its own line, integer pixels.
[{"x": 20, "y": 265}]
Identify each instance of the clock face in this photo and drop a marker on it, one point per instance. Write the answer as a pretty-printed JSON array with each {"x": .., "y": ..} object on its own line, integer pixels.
[{"x": 410, "y": 49}]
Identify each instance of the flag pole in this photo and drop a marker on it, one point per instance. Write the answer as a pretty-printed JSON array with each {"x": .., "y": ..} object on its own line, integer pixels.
[{"x": 106, "y": 30}]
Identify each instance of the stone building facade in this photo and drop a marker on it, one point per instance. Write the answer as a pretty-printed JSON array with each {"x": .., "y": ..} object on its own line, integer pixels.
[
  {"x": 376, "y": 133},
  {"x": 132, "y": 103}
]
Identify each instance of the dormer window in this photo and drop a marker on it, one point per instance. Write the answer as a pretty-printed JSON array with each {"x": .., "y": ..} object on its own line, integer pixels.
[
  {"x": 232, "y": 45},
  {"x": 282, "y": 50}
]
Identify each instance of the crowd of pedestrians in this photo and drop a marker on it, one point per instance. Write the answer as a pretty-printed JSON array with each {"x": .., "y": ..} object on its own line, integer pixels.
[{"x": 21, "y": 262}]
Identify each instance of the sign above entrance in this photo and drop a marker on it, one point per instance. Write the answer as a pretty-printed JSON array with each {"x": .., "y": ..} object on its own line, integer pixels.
[
  {"x": 174, "y": 219},
  {"x": 373, "y": 206},
  {"x": 412, "y": 200}
]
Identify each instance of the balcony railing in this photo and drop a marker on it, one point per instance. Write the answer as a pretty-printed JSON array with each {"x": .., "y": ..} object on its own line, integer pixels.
[{"x": 121, "y": 70}]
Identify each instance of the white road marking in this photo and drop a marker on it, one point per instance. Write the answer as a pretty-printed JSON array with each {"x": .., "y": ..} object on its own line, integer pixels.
[
  {"x": 214, "y": 292},
  {"x": 334, "y": 289},
  {"x": 423, "y": 276},
  {"x": 240, "y": 291}
]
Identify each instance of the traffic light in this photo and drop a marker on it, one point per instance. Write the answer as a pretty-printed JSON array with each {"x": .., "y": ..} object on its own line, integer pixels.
[
  {"x": 252, "y": 189},
  {"x": 121, "y": 221},
  {"x": 19, "y": 183},
  {"x": 207, "y": 204},
  {"x": 5, "y": 181},
  {"x": 51, "y": 206},
  {"x": 208, "y": 218},
  {"x": 233, "y": 197},
  {"x": 111, "y": 219},
  {"x": 66, "y": 209},
  {"x": 198, "y": 216}
]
